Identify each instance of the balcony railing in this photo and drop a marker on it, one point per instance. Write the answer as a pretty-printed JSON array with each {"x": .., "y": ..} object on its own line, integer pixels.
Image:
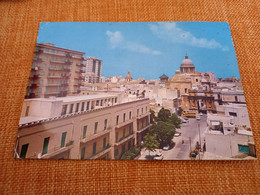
[
  {"x": 64, "y": 84},
  {"x": 94, "y": 136},
  {"x": 33, "y": 86},
  {"x": 36, "y": 68},
  {"x": 54, "y": 77},
  {"x": 66, "y": 69},
  {"x": 37, "y": 60},
  {"x": 58, "y": 150},
  {"x": 125, "y": 123},
  {"x": 53, "y": 85},
  {"x": 55, "y": 69},
  {"x": 65, "y": 77},
  {"x": 124, "y": 139},
  {"x": 34, "y": 77},
  {"x": 100, "y": 153},
  {"x": 144, "y": 128},
  {"x": 143, "y": 115},
  {"x": 57, "y": 62}
]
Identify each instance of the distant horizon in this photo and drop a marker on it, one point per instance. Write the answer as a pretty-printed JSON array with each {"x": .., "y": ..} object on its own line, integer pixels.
[{"x": 148, "y": 49}]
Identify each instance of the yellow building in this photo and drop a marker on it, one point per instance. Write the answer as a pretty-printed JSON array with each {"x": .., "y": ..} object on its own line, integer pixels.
[
  {"x": 55, "y": 72},
  {"x": 98, "y": 126}
]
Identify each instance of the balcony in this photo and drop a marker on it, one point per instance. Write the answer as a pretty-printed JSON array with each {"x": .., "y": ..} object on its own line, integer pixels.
[
  {"x": 79, "y": 64},
  {"x": 64, "y": 84},
  {"x": 68, "y": 63},
  {"x": 143, "y": 115},
  {"x": 94, "y": 136},
  {"x": 35, "y": 68},
  {"x": 33, "y": 86},
  {"x": 34, "y": 77},
  {"x": 52, "y": 85},
  {"x": 58, "y": 150},
  {"x": 37, "y": 60},
  {"x": 68, "y": 55},
  {"x": 54, "y": 77},
  {"x": 143, "y": 128},
  {"x": 66, "y": 69},
  {"x": 65, "y": 77},
  {"x": 100, "y": 153},
  {"x": 55, "y": 69},
  {"x": 125, "y": 123},
  {"x": 124, "y": 139}
]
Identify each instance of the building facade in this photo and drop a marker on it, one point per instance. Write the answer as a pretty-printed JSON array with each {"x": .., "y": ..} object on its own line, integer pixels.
[
  {"x": 81, "y": 127},
  {"x": 55, "y": 72},
  {"x": 93, "y": 70}
]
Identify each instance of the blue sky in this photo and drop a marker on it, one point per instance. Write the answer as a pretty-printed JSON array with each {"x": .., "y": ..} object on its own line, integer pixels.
[{"x": 148, "y": 50}]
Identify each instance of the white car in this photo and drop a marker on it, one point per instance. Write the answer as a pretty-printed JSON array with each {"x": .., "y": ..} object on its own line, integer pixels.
[
  {"x": 166, "y": 147},
  {"x": 198, "y": 117},
  {"x": 177, "y": 134},
  {"x": 201, "y": 114},
  {"x": 158, "y": 156}
]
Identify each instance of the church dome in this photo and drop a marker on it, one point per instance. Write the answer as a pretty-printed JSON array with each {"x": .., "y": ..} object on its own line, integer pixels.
[
  {"x": 128, "y": 76},
  {"x": 187, "y": 62}
]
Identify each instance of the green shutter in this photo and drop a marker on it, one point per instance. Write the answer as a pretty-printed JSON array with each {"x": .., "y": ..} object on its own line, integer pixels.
[
  {"x": 243, "y": 148},
  {"x": 84, "y": 131},
  {"x": 82, "y": 153},
  {"x": 63, "y": 138},
  {"x": 45, "y": 145},
  {"x": 24, "y": 150}
]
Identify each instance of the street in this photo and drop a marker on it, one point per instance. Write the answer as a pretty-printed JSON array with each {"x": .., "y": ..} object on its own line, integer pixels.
[{"x": 189, "y": 130}]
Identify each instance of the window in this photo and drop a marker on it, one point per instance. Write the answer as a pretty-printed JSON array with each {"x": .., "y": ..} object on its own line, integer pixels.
[
  {"x": 44, "y": 65},
  {"x": 116, "y": 136},
  {"x": 123, "y": 132},
  {"x": 137, "y": 112},
  {"x": 63, "y": 138},
  {"x": 94, "y": 148},
  {"x": 104, "y": 142},
  {"x": 41, "y": 82},
  {"x": 24, "y": 150},
  {"x": 45, "y": 145},
  {"x": 197, "y": 80},
  {"x": 27, "y": 110},
  {"x": 130, "y": 130},
  {"x": 142, "y": 110},
  {"x": 243, "y": 148},
  {"x": 39, "y": 90},
  {"x": 87, "y": 105},
  {"x": 97, "y": 103},
  {"x": 123, "y": 149},
  {"x": 115, "y": 100},
  {"x": 84, "y": 131},
  {"x": 82, "y": 106},
  {"x": 77, "y": 107},
  {"x": 105, "y": 124},
  {"x": 129, "y": 145},
  {"x": 185, "y": 90},
  {"x": 124, "y": 118},
  {"x": 130, "y": 115},
  {"x": 232, "y": 114},
  {"x": 42, "y": 73},
  {"x": 64, "y": 109},
  {"x": 45, "y": 58},
  {"x": 117, "y": 119},
  {"x": 146, "y": 108},
  {"x": 236, "y": 99},
  {"x": 71, "y": 108},
  {"x": 96, "y": 126},
  {"x": 82, "y": 153},
  {"x": 116, "y": 152}
]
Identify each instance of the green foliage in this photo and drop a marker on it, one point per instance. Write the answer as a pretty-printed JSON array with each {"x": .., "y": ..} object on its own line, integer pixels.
[
  {"x": 174, "y": 119},
  {"x": 164, "y": 131},
  {"x": 164, "y": 115},
  {"x": 152, "y": 116},
  {"x": 131, "y": 154},
  {"x": 150, "y": 142}
]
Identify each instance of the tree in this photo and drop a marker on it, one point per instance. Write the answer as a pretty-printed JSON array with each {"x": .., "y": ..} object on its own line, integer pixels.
[
  {"x": 152, "y": 116},
  {"x": 164, "y": 131},
  {"x": 150, "y": 142},
  {"x": 174, "y": 119},
  {"x": 164, "y": 115}
]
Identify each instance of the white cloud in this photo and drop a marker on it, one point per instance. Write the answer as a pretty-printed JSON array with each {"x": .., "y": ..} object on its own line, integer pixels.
[
  {"x": 117, "y": 40},
  {"x": 170, "y": 32}
]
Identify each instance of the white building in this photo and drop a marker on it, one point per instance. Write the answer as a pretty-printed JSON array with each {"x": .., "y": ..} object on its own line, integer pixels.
[{"x": 93, "y": 69}]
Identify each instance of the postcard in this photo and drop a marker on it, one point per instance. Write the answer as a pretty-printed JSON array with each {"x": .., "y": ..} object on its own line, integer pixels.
[{"x": 134, "y": 91}]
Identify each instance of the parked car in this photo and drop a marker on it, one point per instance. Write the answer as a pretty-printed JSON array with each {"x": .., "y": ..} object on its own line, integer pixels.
[
  {"x": 201, "y": 114},
  {"x": 177, "y": 134},
  {"x": 182, "y": 120},
  {"x": 166, "y": 147},
  {"x": 158, "y": 156},
  {"x": 197, "y": 117}
]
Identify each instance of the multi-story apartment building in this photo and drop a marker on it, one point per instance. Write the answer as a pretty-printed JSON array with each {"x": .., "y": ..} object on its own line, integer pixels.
[
  {"x": 93, "y": 70},
  {"x": 55, "y": 72},
  {"x": 98, "y": 126}
]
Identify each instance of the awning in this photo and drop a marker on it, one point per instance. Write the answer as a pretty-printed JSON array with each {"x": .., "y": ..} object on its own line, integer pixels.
[{"x": 215, "y": 123}]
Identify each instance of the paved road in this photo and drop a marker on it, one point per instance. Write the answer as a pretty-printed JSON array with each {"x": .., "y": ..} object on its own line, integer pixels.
[{"x": 188, "y": 130}]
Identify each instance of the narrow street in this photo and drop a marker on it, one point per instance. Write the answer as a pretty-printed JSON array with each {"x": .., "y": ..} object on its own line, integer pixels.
[{"x": 189, "y": 130}]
